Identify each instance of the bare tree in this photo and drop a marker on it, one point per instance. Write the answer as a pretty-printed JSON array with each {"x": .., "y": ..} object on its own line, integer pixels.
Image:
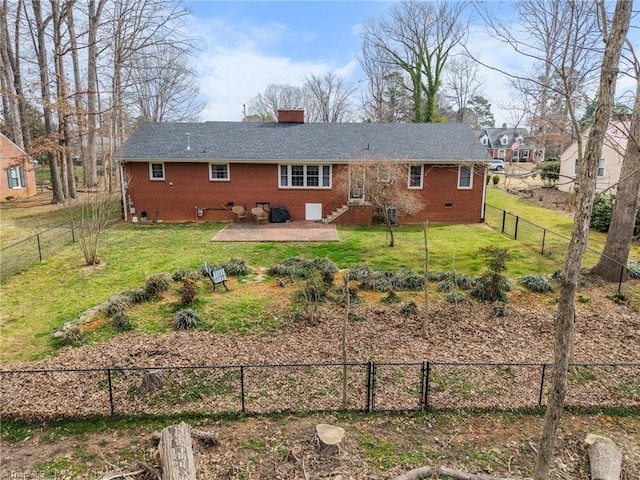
[
  {"x": 387, "y": 98},
  {"x": 274, "y": 98},
  {"x": 586, "y": 181},
  {"x": 417, "y": 38},
  {"x": 462, "y": 84},
  {"x": 328, "y": 98},
  {"x": 383, "y": 183},
  {"x": 163, "y": 86},
  {"x": 623, "y": 217},
  {"x": 565, "y": 56}
]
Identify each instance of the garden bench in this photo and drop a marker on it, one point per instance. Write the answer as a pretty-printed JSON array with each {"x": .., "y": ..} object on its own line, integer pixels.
[{"x": 216, "y": 276}]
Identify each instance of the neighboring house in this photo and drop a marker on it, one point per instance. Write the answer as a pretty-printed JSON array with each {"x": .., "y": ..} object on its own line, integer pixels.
[
  {"x": 608, "y": 174},
  {"x": 199, "y": 171},
  {"x": 19, "y": 178},
  {"x": 509, "y": 144}
]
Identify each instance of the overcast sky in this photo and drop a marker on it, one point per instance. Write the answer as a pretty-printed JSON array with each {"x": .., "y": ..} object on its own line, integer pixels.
[{"x": 247, "y": 45}]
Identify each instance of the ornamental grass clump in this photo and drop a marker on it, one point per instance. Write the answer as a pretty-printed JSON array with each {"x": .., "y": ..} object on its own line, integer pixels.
[
  {"x": 137, "y": 295},
  {"x": 70, "y": 335},
  {"x": 188, "y": 291},
  {"x": 536, "y": 283},
  {"x": 186, "y": 319},
  {"x": 157, "y": 283},
  {"x": 302, "y": 268},
  {"x": 122, "y": 321},
  {"x": 236, "y": 267},
  {"x": 117, "y": 303}
]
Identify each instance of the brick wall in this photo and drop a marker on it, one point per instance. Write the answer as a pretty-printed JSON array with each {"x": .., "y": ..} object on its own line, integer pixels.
[{"x": 187, "y": 186}]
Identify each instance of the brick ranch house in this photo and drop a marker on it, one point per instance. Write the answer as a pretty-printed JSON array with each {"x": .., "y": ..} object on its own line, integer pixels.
[
  {"x": 19, "y": 177},
  {"x": 199, "y": 171}
]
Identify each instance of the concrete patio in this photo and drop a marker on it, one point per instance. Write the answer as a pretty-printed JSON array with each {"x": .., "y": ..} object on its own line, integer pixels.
[{"x": 278, "y": 232}]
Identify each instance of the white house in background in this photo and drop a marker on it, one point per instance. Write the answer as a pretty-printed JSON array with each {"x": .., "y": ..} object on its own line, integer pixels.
[{"x": 608, "y": 175}]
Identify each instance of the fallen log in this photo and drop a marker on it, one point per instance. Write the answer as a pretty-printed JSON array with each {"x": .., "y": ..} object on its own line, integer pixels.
[
  {"x": 605, "y": 458},
  {"x": 176, "y": 453},
  {"x": 426, "y": 472}
]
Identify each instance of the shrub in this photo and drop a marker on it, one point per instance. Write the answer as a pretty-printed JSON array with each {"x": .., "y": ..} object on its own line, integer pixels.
[
  {"x": 550, "y": 173},
  {"x": 602, "y": 211},
  {"x": 236, "y": 267},
  {"x": 71, "y": 334},
  {"x": 377, "y": 282},
  {"x": 157, "y": 283},
  {"x": 358, "y": 272},
  {"x": 536, "y": 283},
  {"x": 137, "y": 295},
  {"x": 492, "y": 285},
  {"x": 456, "y": 297},
  {"x": 186, "y": 319},
  {"x": 188, "y": 291},
  {"x": 500, "y": 310},
  {"x": 445, "y": 286},
  {"x": 495, "y": 179},
  {"x": 409, "y": 309},
  {"x": 183, "y": 273},
  {"x": 117, "y": 303},
  {"x": 122, "y": 321},
  {"x": 302, "y": 268},
  {"x": 408, "y": 280},
  {"x": 313, "y": 292}
]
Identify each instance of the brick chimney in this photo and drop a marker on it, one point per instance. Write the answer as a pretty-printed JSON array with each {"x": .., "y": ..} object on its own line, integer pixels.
[
  {"x": 290, "y": 116},
  {"x": 504, "y": 126}
]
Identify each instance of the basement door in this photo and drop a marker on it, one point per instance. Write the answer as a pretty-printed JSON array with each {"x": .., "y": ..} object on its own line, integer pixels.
[{"x": 313, "y": 211}]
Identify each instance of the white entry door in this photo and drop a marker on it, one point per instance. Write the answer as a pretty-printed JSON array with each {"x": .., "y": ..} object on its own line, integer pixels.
[{"x": 313, "y": 211}]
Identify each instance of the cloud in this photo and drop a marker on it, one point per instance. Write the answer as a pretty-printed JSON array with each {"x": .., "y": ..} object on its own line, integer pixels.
[{"x": 238, "y": 62}]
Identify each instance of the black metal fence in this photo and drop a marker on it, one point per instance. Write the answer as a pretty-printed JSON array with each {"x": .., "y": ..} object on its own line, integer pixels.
[
  {"x": 551, "y": 244},
  {"x": 259, "y": 389},
  {"x": 18, "y": 256}
]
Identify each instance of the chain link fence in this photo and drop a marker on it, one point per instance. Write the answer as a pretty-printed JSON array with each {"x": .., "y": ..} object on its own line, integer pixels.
[
  {"x": 20, "y": 255},
  {"x": 261, "y": 389},
  {"x": 551, "y": 244}
]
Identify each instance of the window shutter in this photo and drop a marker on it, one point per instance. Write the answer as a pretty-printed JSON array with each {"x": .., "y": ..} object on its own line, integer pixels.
[
  {"x": 9, "y": 179},
  {"x": 23, "y": 183}
]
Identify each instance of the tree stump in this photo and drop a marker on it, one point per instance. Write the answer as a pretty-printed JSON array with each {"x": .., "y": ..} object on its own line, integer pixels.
[
  {"x": 176, "y": 453},
  {"x": 605, "y": 458},
  {"x": 152, "y": 382},
  {"x": 329, "y": 439}
]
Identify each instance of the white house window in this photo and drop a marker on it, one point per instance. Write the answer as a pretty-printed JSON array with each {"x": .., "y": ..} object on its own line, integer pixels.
[
  {"x": 515, "y": 154},
  {"x": 218, "y": 171},
  {"x": 156, "y": 171},
  {"x": 305, "y": 176},
  {"x": 501, "y": 153},
  {"x": 601, "y": 167},
  {"x": 575, "y": 167},
  {"x": 484, "y": 140},
  {"x": 503, "y": 140},
  {"x": 415, "y": 176},
  {"x": 525, "y": 154},
  {"x": 383, "y": 174},
  {"x": 15, "y": 178},
  {"x": 465, "y": 177}
]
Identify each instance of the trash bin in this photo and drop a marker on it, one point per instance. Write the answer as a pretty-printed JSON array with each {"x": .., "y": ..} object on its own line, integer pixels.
[{"x": 279, "y": 214}]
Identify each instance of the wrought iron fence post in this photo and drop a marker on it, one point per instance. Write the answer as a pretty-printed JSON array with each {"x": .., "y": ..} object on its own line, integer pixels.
[
  {"x": 110, "y": 391},
  {"x": 504, "y": 220},
  {"x": 544, "y": 368},
  {"x": 73, "y": 234},
  {"x": 39, "y": 247},
  {"x": 515, "y": 233},
  {"x": 426, "y": 384},
  {"x": 544, "y": 236},
  {"x": 242, "y": 387}
]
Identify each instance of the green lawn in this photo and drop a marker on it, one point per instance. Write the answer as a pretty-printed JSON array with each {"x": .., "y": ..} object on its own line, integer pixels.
[{"x": 45, "y": 296}]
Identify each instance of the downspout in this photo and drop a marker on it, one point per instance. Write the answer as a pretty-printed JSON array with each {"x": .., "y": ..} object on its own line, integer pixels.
[
  {"x": 484, "y": 194},
  {"x": 125, "y": 207}
]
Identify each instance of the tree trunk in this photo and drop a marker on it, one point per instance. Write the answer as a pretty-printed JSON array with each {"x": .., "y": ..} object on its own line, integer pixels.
[
  {"x": 176, "y": 453},
  {"x": 45, "y": 90},
  {"x": 623, "y": 218},
  {"x": 586, "y": 184}
]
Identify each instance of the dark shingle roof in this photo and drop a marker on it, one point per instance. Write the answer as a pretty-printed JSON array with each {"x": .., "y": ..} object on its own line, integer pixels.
[{"x": 302, "y": 141}]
